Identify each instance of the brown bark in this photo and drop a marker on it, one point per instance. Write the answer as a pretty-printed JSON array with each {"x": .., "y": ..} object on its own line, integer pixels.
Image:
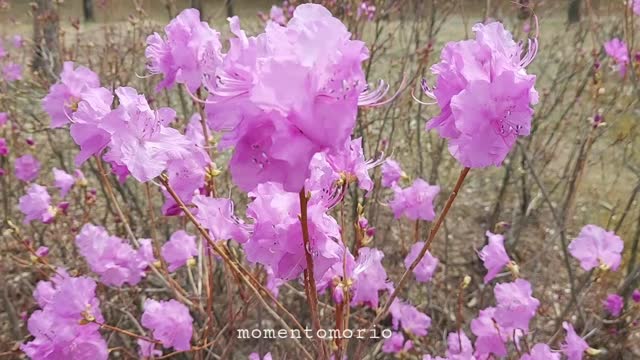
[{"x": 46, "y": 27}]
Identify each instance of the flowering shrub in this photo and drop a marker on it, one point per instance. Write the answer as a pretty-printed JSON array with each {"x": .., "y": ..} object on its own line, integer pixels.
[{"x": 239, "y": 186}]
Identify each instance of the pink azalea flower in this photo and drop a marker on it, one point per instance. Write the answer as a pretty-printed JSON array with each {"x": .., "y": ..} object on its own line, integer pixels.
[
  {"x": 180, "y": 248},
  {"x": 391, "y": 173},
  {"x": 17, "y": 41},
  {"x": 216, "y": 215},
  {"x": 12, "y": 72},
  {"x": 27, "y": 168},
  {"x": 366, "y": 274},
  {"x": 494, "y": 256},
  {"x": 86, "y": 129},
  {"x": 636, "y": 6},
  {"x": 42, "y": 251},
  {"x": 613, "y": 304},
  {"x": 350, "y": 163},
  {"x": 140, "y": 137},
  {"x": 396, "y": 344},
  {"x": 369, "y": 278},
  {"x": 416, "y": 201},
  {"x": 194, "y": 133},
  {"x": 110, "y": 257},
  {"x": 147, "y": 350},
  {"x": 4, "y": 117},
  {"x": 189, "y": 52},
  {"x": 170, "y": 323},
  {"x": 36, "y": 205},
  {"x": 63, "y": 181},
  {"x": 256, "y": 356},
  {"x": 45, "y": 290},
  {"x": 617, "y": 50},
  {"x": 57, "y": 330},
  {"x": 63, "y": 97},
  {"x": 412, "y": 320},
  {"x": 186, "y": 177},
  {"x": 488, "y": 339},
  {"x": 276, "y": 14},
  {"x": 273, "y": 283},
  {"x": 515, "y": 305},
  {"x": 4, "y": 150},
  {"x": 459, "y": 346},
  {"x": 484, "y": 95},
  {"x": 573, "y": 346},
  {"x": 595, "y": 246},
  {"x": 541, "y": 352},
  {"x": 276, "y": 128},
  {"x": 276, "y": 240},
  {"x": 426, "y": 267},
  {"x": 324, "y": 182},
  {"x": 366, "y": 10}
]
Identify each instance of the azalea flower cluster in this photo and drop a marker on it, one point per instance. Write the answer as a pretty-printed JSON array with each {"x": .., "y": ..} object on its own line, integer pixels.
[
  {"x": 484, "y": 94},
  {"x": 66, "y": 326},
  {"x": 112, "y": 258},
  {"x": 277, "y": 128},
  {"x": 138, "y": 139}
]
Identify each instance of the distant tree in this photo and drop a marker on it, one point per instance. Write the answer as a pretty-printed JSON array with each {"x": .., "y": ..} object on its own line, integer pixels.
[
  {"x": 46, "y": 27},
  {"x": 229, "y": 5},
  {"x": 87, "y": 9},
  {"x": 573, "y": 13}
]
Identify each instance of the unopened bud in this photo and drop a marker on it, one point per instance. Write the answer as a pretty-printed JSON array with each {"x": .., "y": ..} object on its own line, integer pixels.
[
  {"x": 603, "y": 267},
  {"x": 593, "y": 352},
  {"x": 87, "y": 315},
  {"x": 466, "y": 281},
  {"x": 514, "y": 269}
]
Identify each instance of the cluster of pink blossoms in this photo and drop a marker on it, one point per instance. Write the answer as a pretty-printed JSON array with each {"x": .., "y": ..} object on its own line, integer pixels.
[
  {"x": 391, "y": 173},
  {"x": 596, "y": 247},
  {"x": 416, "y": 201},
  {"x": 65, "y": 326},
  {"x": 27, "y": 168},
  {"x": 484, "y": 95},
  {"x": 170, "y": 323},
  {"x": 276, "y": 128},
  {"x": 116, "y": 261},
  {"x": 138, "y": 139},
  {"x": 75, "y": 85},
  {"x": 189, "y": 52},
  {"x": 36, "y": 204}
]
